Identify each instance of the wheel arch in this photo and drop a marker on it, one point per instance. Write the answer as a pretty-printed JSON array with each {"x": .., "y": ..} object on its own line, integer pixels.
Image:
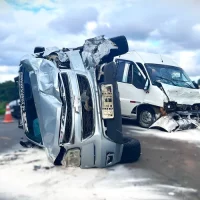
[{"x": 139, "y": 108}]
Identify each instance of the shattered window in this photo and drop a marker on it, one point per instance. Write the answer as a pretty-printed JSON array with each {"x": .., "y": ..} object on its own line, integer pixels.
[
  {"x": 170, "y": 75},
  {"x": 87, "y": 106}
]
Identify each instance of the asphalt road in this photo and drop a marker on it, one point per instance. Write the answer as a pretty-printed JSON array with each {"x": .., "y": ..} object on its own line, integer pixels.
[
  {"x": 10, "y": 135},
  {"x": 174, "y": 163}
]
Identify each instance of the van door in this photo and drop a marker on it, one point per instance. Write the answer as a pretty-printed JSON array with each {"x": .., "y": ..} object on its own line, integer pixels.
[{"x": 131, "y": 83}]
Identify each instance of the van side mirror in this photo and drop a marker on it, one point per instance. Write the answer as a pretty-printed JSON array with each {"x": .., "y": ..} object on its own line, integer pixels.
[
  {"x": 147, "y": 84},
  {"x": 195, "y": 85}
]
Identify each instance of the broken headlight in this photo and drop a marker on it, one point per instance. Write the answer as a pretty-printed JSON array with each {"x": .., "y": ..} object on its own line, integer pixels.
[{"x": 170, "y": 106}]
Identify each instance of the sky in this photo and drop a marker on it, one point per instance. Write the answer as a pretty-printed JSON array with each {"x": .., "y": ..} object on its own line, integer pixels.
[{"x": 170, "y": 27}]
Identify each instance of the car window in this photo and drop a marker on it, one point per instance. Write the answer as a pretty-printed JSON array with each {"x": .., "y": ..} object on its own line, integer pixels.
[
  {"x": 130, "y": 74},
  {"x": 124, "y": 71},
  {"x": 127, "y": 72},
  {"x": 120, "y": 70},
  {"x": 141, "y": 66},
  {"x": 138, "y": 79},
  {"x": 170, "y": 75}
]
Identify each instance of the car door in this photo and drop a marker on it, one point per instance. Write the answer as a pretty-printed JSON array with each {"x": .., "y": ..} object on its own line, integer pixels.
[{"x": 131, "y": 83}]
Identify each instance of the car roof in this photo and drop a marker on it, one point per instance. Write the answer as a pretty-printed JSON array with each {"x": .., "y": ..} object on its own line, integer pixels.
[{"x": 144, "y": 57}]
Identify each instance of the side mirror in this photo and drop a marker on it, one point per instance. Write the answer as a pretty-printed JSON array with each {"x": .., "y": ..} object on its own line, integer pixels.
[
  {"x": 147, "y": 85},
  {"x": 195, "y": 85}
]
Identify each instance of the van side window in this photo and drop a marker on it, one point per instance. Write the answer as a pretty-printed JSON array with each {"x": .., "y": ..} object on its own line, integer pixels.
[
  {"x": 124, "y": 71},
  {"x": 120, "y": 70},
  {"x": 127, "y": 72},
  {"x": 138, "y": 79},
  {"x": 130, "y": 74},
  {"x": 141, "y": 66}
]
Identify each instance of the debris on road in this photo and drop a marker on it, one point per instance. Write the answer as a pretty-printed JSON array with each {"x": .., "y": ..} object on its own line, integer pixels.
[
  {"x": 117, "y": 182},
  {"x": 190, "y": 136},
  {"x": 175, "y": 122}
]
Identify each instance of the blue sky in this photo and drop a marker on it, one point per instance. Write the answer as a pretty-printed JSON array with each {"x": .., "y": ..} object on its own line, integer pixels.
[
  {"x": 29, "y": 6},
  {"x": 160, "y": 26}
]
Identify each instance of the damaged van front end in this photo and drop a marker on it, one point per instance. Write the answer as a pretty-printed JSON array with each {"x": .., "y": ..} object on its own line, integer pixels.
[
  {"x": 181, "y": 111},
  {"x": 70, "y": 103}
]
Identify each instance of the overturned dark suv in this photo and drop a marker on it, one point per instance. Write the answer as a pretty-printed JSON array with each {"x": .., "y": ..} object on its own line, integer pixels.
[{"x": 70, "y": 104}]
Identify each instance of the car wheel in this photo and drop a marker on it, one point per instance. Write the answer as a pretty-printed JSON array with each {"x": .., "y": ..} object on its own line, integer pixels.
[
  {"x": 146, "y": 118},
  {"x": 131, "y": 150}
]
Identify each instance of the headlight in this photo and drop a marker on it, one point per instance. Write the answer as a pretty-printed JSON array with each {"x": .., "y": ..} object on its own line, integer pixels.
[{"x": 72, "y": 158}]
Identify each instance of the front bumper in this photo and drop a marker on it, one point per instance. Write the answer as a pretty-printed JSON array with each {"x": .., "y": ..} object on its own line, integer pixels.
[{"x": 101, "y": 146}]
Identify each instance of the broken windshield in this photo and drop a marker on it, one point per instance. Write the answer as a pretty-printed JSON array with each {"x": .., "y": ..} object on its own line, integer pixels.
[{"x": 169, "y": 75}]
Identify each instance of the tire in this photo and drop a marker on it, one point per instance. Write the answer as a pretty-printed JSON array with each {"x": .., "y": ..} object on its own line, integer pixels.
[
  {"x": 146, "y": 117},
  {"x": 131, "y": 151}
]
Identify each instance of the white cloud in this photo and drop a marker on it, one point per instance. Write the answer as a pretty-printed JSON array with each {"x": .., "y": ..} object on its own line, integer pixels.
[
  {"x": 90, "y": 26},
  {"x": 7, "y": 77},
  {"x": 195, "y": 78},
  {"x": 196, "y": 27},
  {"x": 8, "y": 73},
  {"x": 163, "y": 29},
  {"x": 188, "y": 61}
]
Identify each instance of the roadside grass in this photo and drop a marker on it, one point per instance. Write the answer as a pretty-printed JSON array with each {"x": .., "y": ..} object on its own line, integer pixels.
[{"x": 2, "y": 107}]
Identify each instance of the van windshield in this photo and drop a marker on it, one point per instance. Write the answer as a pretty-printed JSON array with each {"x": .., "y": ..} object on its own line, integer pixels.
[{"x": 170, "y": 75}]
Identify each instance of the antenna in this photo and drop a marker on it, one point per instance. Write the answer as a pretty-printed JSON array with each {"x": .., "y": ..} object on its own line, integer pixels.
[{"x": 161, "y": 58}]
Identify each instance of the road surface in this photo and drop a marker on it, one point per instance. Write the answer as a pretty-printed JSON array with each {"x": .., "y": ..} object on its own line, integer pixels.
[
  {"x": 9, "y": 135},
  {"x": 168, "y": 162},
  {"x": 177, "y": 162}
]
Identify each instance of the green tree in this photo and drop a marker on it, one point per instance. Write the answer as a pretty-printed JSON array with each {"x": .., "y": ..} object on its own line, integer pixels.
[{"x": 8, "y": 91}]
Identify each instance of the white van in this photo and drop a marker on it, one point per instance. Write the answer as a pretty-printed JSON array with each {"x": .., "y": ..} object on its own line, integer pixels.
[{"x": 152, "y": 85}]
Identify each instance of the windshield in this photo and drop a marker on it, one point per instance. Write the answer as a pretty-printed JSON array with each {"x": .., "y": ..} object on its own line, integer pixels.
[{"x": 169, "y": 75}]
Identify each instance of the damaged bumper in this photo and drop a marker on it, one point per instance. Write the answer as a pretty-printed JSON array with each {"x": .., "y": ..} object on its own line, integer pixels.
[
  {"x": 179, "y": 120},
  {"x": 181, "y": 112}
]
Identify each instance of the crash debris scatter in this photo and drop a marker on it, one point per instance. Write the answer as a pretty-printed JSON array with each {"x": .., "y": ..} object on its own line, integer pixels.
[
  {"x": 32, "y": 176},
  {"x": 191, "y": 136}
]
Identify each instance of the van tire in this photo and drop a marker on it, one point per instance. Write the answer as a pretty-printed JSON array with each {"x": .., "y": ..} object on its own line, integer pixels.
[
  {"x": 146, "y": 117},
  {"x": 131, "y": 150}
]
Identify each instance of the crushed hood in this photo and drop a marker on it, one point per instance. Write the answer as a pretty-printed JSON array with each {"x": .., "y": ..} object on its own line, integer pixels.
[{"x": 182, "y": 95}]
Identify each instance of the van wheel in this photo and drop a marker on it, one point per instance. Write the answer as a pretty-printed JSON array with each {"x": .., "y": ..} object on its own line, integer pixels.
[
  {"x": 146, "y": 117},
  {"x": 131, "y": 150}
]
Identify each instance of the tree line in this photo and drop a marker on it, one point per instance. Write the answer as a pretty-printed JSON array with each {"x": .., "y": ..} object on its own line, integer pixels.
[{"x": 8, "y": 91}]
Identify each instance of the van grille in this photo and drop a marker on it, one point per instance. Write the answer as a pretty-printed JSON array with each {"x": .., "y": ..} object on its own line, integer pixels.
[
  {"x": 87, "y": 106},
  {"x": 68, "y": 125}
]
